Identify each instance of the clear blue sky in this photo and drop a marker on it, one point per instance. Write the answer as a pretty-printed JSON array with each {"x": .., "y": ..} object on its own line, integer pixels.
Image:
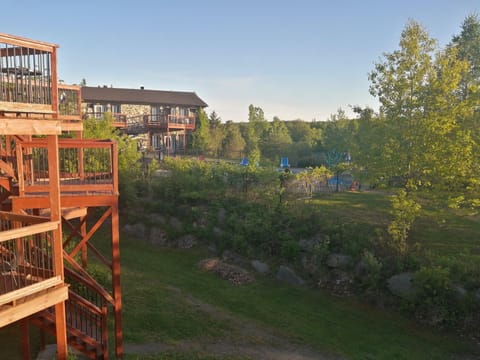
[{"x": 295, "y": 59}]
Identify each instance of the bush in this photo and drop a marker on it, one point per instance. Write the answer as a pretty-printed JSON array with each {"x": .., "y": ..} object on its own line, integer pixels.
[{"x": 434, "y": 300}]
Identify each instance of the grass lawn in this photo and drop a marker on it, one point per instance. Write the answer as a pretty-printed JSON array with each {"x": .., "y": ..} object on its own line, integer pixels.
[
  {"x": 156, "y": 282},
  {"x": 158, "y": 285},
  {"x": 442, "y": 231}
]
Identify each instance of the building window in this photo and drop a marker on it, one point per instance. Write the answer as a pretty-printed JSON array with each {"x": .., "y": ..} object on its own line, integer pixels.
[
  {"x": 98, "y": 111},
  {"x": 116, "y": 109}
]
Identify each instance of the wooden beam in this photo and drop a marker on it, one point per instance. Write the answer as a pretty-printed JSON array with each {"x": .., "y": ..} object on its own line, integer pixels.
[
  {"x": 28, "y": 230},
  {"x": 20, "y": 107},
  {"x": 25, "y": 42},
  {"x": 29, "y": 290},
  {"x": 68, "y": 213},
  {"x": 33, "y": 305},
  {"x": 42, "y": 202},
  {"x": 29, "y": 127},
  {"x": 32, "y": 219},
  {"x": 71, "y": 126}
]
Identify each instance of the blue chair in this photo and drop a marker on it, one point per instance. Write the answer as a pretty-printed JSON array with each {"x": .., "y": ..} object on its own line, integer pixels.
[
  {"x": 284, "y": 162},
  {"x": 244, "y": 162}
]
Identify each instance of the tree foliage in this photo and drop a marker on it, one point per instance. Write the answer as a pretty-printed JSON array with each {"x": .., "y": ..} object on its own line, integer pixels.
[
  {"x": 201, "y": 133},
  {"x": 418, "y": 91}
]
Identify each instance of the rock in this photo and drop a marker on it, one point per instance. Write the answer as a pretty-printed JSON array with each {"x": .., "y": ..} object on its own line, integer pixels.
[
  {"x": 338, "y": 261},
  {"x": 235, "y": 274},
  {"x": 306, "y": 244},
  {"x": 287, "y": 275},
  {"x": 135, "y": 230},
  {"x": 158, "y": 236},
  {"x": 221, "y": 216},
  {"x": 157, "y": 219},
  {"x": 310, "y": 263},
  {"x": 402, "y": 285},
  {"x": 309, "y": 245},
  {"x": 186, "y": 242},
  {"x": 361, "y": 269},
  {"x": 175, "y": 223},
  {"x": 459, "y": 291},
  {"x": 260, "y": 267},
  {"x": 217, "y": 232}
]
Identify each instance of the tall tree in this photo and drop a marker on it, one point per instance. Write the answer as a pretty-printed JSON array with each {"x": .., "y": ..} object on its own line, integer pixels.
[
  {"x": 201, "y": 133},
  {"x": 400, "y": 83},
  {"x": 418, "y": 92},
  {"x": 276, "y": 140},
  {"x": 256, "y": 126},
  {"x": 468, "y": 45},
  {"x": 214, "y": 120},
  {"x": 233, "y": 143}
]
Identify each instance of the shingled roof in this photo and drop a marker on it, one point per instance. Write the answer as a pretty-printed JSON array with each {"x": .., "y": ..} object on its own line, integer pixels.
[{"x": 141, "y": 96}]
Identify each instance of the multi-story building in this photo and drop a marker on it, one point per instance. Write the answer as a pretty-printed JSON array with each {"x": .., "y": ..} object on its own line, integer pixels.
[{"x": 167, "y": 117}]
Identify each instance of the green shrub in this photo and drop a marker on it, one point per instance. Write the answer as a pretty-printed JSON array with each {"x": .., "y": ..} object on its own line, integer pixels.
[{"x": 290, "y": 250}]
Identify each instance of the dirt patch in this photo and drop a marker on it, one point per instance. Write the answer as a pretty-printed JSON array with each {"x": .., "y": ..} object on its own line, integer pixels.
[{"x": 247, "y": 339}]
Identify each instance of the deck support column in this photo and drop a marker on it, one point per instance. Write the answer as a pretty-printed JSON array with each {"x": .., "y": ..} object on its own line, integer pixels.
[
  {"x": 117, "y": 294},
  {"x": 56, "y": 215}
]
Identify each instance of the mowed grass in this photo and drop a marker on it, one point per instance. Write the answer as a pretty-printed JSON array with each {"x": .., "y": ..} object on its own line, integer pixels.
[
  {"x": 156, "y": 282},
  {"x": 440, "y": 229}
]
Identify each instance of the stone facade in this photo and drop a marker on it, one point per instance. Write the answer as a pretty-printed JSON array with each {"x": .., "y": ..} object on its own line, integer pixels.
[{"x": 131, "y": 110}]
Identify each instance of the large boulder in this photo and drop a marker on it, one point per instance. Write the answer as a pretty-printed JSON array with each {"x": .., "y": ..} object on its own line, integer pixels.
[
  {"x": 287, "y": 275},
  {"x": 310, "y": 263},
  {"x": 260, "y": 267},
  {"x": 175, "y": 223},
  {"x": 136, "y": 230},
  {"x": 158, "y": 236},
  {"x": 309, "y": 245},
  {"x": 339, "y": 261},
  {"x": 402, "y": 285},
  {"x": 157, "y": 219}
]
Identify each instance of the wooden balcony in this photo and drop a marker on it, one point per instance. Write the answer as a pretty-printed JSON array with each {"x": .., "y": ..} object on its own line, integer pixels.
[
  {"x": 119, "y": 120},
  {"x": 164, "y": 122},
  {"x": 29, "y": 281},
  {"x": 88, "y": 173},
  {"x": 28, "y": 77}
]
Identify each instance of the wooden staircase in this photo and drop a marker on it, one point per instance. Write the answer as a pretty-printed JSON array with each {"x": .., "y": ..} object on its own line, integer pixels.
[{"x": 86, "y": 308}]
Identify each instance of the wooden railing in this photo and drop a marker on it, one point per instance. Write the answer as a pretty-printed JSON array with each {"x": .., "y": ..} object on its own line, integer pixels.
[
  {"x": 87, "y": 308},
  {"x": 26, "y": 256},
  {"x": 27, "y": 75},
  {"x": 119, "y": 119},
  {"x": 164, "y": 121},
  {"x": 85, "y": 166}
]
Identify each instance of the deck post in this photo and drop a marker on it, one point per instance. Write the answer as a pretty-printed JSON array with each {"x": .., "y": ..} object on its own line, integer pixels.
[
  {"x": 117, "y": 294},
  {"x": 56, "y": 215}
]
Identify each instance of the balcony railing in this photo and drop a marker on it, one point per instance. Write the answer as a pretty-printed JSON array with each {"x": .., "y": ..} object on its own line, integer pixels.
[
  {"x": 26, "y": 256},
  {"x": 164, "y": 121},
  {"x": 85, "y": 166},
  {"x": 27, "y": 75},
  {"x": 119, "y": 120}
]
